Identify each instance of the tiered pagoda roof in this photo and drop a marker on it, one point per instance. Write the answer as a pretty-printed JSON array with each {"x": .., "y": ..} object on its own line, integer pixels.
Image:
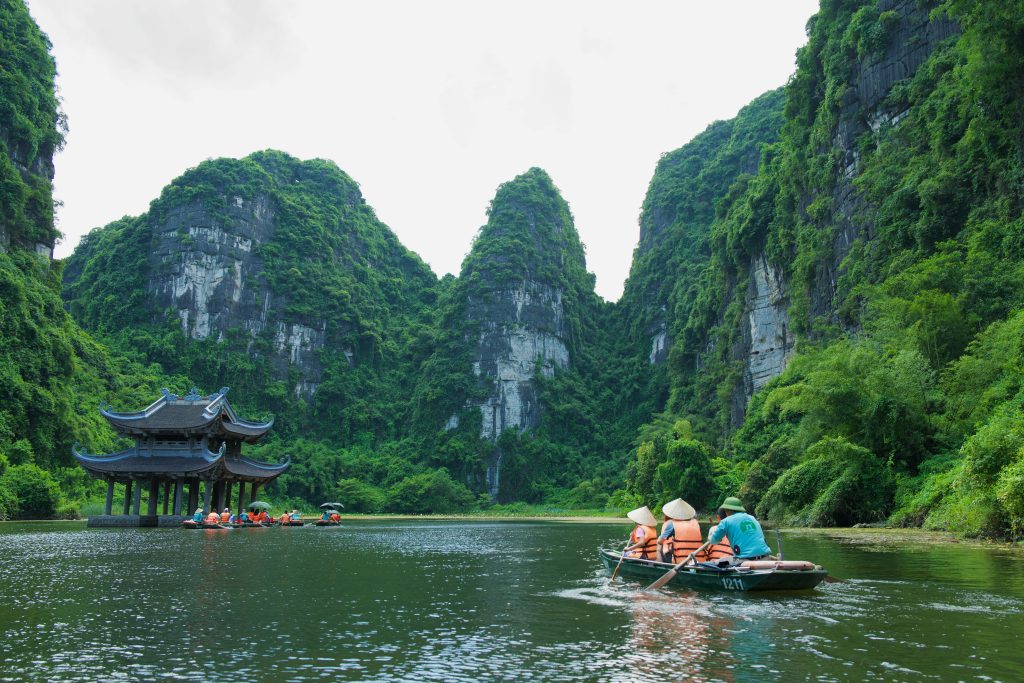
[{"x": 174, "y": 435}]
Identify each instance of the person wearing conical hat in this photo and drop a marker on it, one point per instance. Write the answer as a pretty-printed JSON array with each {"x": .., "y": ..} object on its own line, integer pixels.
[
  {"x": 197, "y": 516},
  {"x": 643, "y": 541},
  {"x": 681, "y": 535},
  {"x": 742, "y": 529}
]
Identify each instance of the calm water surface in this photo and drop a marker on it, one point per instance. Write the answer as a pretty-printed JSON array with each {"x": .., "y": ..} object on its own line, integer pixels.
[{"x": 467, "y": 601}]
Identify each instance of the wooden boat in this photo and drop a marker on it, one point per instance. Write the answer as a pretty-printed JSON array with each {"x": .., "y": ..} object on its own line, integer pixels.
[
  {"x": 189, "y": 524},
  {"x": 300, "y": 523},
  {"x": 326, "y": 522},
  {"x": 706, "y": 576}
]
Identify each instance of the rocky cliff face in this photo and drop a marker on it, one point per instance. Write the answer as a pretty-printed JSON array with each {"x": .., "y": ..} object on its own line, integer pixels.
[
  {"x": 208, "y": 270},
  {"x": 912, "y": 34},
  {"x": 766, "y": 341},
  {"x": 521, "y": 287}
]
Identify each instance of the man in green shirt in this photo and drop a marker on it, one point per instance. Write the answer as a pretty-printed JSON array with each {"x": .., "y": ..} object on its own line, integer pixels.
[{"x": 743, "y": 530}]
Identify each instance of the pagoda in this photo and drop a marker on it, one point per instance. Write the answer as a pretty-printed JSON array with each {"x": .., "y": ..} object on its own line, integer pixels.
[{"x": 188, "y": 440}]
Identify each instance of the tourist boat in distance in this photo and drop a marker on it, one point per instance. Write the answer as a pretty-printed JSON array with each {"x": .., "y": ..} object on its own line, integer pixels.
[
  {"x": 767, "y": 575},
  {"x": 326, "y": 522},
  {"x": 189, "y": 524}
]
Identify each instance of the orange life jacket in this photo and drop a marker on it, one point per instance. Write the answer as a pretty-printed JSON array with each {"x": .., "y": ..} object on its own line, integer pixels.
[
  {"x": 213, "y": 518},
  {"x": 284, "y": 518},
  {"x": 335, "y": 517},
  {"x": 718, "y": 551},
  {"x": 685, "y": 539},
  {"x": 225, "y": 517},
  {"x": 649, "y": 549}
]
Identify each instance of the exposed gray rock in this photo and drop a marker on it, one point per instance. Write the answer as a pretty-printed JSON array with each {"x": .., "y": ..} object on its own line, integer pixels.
[
  {"x": 209, "y": 271},
  {"x": 767, "y": 337}
]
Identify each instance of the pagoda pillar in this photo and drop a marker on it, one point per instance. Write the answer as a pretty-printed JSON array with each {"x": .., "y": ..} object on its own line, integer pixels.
[
  {"x": 110, "y": 497},
  {"x": 136, "y": 496},
  {"x": 255, "y": 488},
  {"x": 167, "y": 494},
  {"x": 127, "y": 497},
  {"x": 193, "y": 495},
  {"x": 207, "y": 496},
  {"x": 227, "y": 495},
  {"x": 178, "y": 485},
  {"x": 154, "y": 494},
  {"x": 241, "y": 497}
]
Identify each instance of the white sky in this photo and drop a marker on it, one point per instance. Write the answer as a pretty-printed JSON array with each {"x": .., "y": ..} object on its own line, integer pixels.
[{"x": 429, "y": 106}]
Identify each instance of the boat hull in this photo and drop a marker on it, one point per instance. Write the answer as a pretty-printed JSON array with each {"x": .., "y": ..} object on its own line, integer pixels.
[
  {"x": 321, "y": 522},
  {"x": 707, "y": 578}
]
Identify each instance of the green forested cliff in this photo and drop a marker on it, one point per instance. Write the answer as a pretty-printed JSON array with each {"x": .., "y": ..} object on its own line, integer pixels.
[{"x": 824, "y": 312}]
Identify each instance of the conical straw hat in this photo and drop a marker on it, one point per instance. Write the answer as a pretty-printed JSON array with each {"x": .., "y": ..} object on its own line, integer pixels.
[
  {"x": 678, "y": 509},
  {"x": 643, "y": 516}
]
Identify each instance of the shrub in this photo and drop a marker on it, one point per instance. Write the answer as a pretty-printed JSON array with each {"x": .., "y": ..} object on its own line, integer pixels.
[
  {"x": 838, "y": 484},
  {"x": 358, "y": 496},
  {"x": 430, "y": 492},
  {"x": 36, "y": 491}
]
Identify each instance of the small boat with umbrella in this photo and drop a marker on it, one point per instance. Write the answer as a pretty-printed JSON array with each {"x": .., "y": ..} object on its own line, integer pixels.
[
  {"x": 762, "y": 575},
  {"x": 334, "y": 510}
]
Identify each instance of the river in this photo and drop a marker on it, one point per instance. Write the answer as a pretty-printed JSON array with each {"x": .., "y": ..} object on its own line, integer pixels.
[{"x": 484, "y": 600}]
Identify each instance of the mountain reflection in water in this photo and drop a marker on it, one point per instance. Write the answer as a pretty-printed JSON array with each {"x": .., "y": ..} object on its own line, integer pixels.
[{"x": 469, "y": 601}]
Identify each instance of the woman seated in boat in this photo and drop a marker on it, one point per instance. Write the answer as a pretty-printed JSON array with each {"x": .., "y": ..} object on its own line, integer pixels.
[
  {"x": 326, "y": 517},
  {"x": 213, "y": 517},
  {"x": 680, "y": 535},
  {"x": 742, "y": 529},
  {"x": 335, "y": 517},
  {"x": 225, "y": 516},
  {"x": 643, "y": 541},
  {"x": 284, "y": 518},
  {"x": 197, "y": 516},
  {"x": 263, "y": 517}
]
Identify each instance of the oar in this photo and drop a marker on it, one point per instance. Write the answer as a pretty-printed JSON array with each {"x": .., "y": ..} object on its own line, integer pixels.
[
  {"x": 621, "y": 556},
  {"x": 675, "y": 570}
]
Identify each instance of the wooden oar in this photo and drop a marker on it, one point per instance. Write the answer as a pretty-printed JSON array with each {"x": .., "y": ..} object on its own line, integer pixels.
[
  {"x": 621, "y": 556},
  {"x": 670, "y": 574}
]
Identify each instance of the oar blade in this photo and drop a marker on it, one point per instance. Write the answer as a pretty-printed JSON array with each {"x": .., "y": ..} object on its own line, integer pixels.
[{"x": 671, "y": 574}]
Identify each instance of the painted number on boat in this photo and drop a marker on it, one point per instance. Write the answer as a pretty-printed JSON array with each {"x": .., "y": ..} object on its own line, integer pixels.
[{"x": 732, "y": 583}]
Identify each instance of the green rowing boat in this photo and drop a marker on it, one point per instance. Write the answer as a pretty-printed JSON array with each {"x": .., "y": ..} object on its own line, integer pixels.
[{"x": 708, "y": 577}]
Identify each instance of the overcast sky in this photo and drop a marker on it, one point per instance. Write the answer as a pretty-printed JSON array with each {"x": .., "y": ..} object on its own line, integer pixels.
[{"x": 429, "y": 106}]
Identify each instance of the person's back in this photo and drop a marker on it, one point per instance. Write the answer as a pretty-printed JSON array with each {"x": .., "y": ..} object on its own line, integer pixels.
[
  {"x": 284, "y": 518},
  {"x": 335, "y": 517},
  {"x": 213, "y": 518},
  {"x": 197, "y": 517},
  {"x": 225, "y": 516},
  {"x": 742, "y": 529},
  {"x": 681, "y": 535}
]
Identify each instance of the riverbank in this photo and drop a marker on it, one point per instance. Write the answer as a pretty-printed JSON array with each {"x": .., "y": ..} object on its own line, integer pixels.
[{"x": 889, "y": 538}]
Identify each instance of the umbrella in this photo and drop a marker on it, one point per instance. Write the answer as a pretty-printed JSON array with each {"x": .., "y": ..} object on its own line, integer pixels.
[
  {"x": 259, "y": 505},
  {"x": 333, "y": 505}
]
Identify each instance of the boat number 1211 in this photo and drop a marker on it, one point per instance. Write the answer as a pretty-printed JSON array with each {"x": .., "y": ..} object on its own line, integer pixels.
[{"x": 732, "y": 583}]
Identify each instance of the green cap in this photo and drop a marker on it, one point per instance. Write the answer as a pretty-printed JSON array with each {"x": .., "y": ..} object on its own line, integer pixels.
[{"x": 732, "y": 503}]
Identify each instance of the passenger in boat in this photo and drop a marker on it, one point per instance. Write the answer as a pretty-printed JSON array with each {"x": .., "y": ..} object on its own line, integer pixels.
[
  {"x": 295, "y": 516},
  {"x": 722, "y": 550},
  {"x": 326, "y": 517},
  {"x": 263, "y": 518},
  {"x": 284, "y": 518},
  {"x": 197, "y": 516},
  {"x": 643, "y": 541},
  {"x": 335, "y": 517},
  {"x": 243, "y": 518},
  {"x": 681, "y": 535},
  {"x": 213, "y": 517},
  {"x": 225, "y": 517},
  {"x": 742, "y": 529}
]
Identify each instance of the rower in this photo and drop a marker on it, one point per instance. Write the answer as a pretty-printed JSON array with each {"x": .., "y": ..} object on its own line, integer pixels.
[
  {"x": 742, "y": 529},
  {"x": 643, "y": 541},
  {"x": 681, "y": 535},
  {"x": 197, "y": 516}
]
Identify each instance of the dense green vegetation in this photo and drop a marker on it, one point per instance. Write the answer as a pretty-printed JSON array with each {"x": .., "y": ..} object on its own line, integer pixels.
[{"x": 902, "y": 400}]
